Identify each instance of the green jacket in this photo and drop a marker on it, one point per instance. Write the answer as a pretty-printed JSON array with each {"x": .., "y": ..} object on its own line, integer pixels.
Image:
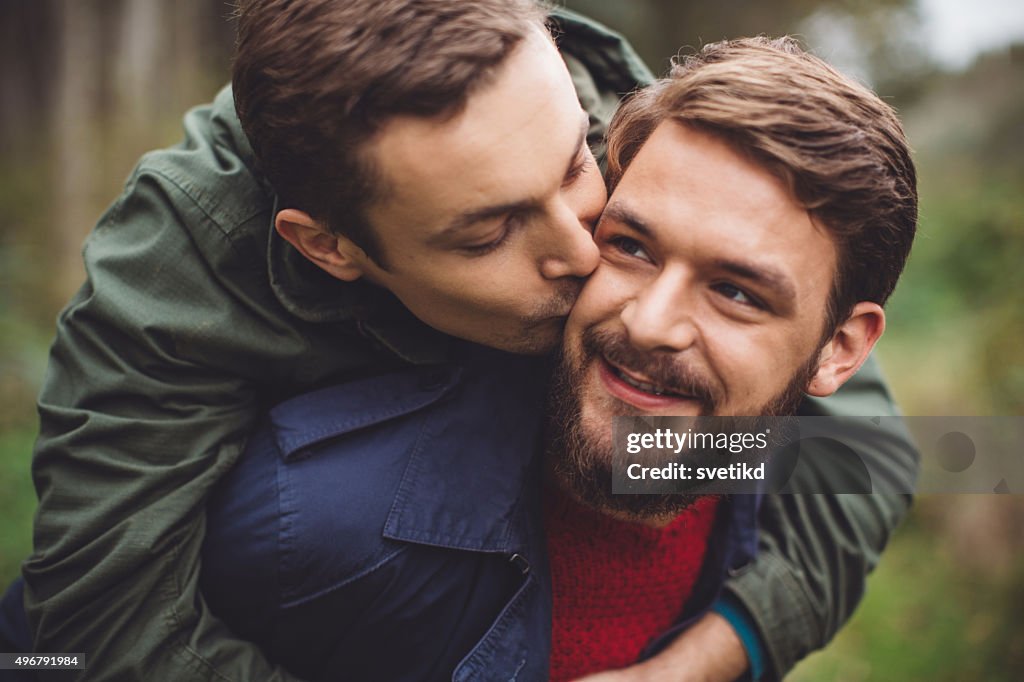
[{"x": 196, "y": 317}]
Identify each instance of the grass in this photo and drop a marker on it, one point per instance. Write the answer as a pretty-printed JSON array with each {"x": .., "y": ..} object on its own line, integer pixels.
[
  {"x": 17, "y": 501},
  {"x": 926, "y": 616}
]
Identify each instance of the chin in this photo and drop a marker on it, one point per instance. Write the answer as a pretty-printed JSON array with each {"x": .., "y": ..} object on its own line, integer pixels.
[
  {"x": 527, "y": 345},
  {"x": 541, "y": 339}
]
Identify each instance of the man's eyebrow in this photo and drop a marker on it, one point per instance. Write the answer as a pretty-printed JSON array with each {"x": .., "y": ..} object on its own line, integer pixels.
[
  {"x": 469, "y": 218},
  {"x": 621, "y": 213},
  {"x": 764, "y": 275}
]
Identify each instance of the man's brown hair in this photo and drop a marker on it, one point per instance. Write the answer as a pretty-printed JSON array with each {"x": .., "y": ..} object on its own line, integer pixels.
[
  {"x": 838, "y": 147},
  {"x": 313, "y": 81}
]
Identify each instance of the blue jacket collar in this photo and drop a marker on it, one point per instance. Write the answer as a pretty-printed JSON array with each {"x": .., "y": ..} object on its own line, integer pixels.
[
  {"x": 469, "y": 461},
  {"x": 469, "y": 478}
]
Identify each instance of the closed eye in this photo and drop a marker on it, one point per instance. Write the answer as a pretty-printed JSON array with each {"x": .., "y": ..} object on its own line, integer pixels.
[
  {"x": 511, "y": 224},
  {"x": 578, "y": 169}
]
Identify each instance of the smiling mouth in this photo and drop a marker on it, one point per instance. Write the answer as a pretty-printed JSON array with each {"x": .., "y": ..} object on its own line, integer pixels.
[{"x": 641, "y": 385}]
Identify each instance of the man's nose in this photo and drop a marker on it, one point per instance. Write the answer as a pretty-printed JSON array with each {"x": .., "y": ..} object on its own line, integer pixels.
[
  {"x": 570, "y": 251},
  {"x": 660, "y": 317}
]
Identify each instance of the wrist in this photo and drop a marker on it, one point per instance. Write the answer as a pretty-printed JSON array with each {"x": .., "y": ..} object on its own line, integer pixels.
[
  {"x": 709, "y": 651},
  {"x": 742, "y": 624}
]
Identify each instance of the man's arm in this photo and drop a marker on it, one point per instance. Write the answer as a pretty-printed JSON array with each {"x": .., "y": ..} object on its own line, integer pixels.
[
  {"x": 709, "y": 651},
  {"x": 149, "y": 393},
  {"x": 817, "y": 549}
]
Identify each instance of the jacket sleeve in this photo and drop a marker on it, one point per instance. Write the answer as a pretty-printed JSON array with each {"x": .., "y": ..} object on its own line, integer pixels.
[
  {"x": 145, "y": 404},
  {"x": 815, "y": 550}
]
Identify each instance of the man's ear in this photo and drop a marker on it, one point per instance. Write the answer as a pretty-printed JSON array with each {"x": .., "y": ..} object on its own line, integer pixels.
[
  {"x": 848, "y": 348},
  {"x": 334, "y": 253}
]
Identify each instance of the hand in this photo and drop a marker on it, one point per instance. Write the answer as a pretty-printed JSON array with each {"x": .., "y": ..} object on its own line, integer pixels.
[
  {"x": 634, "y": 673},
  {"x": 623, "y": 675},
  {"x": 709, "y": 651}
]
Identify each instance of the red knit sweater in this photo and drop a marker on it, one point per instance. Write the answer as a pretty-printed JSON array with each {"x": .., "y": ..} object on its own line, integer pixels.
[{"x": 617, "y": 585}]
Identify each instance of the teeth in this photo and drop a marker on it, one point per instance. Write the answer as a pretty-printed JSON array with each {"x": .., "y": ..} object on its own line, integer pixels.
[{"x": 647, "y": 388}]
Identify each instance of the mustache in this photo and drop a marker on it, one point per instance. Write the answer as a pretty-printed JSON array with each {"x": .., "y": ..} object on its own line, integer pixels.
[
  {"x": 567, "y": 290},
  {"x": 666, "y": 372}
]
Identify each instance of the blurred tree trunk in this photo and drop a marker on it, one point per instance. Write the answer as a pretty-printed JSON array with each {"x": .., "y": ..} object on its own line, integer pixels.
[
  {"x": 189, "y": 36},
  {"x": 27, "y": 59},
  {"x": 77, "y": 94},
  {"x": 137, "y": 71}
]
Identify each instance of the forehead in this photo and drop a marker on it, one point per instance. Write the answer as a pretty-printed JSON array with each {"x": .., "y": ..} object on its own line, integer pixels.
[
  {"x": 704, "y": 202},
  {"x": 512, "y": 140}
]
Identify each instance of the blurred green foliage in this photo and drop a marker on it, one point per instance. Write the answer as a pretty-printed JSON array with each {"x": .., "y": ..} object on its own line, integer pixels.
[
  {"x": 17, "y": 501},
  {"x": 926, "y": 617},
  {"x": 959, "y": 310}
]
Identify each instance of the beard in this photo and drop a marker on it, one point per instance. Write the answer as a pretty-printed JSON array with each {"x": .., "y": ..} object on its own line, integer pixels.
[
  {"x": 580, "y": 461},
  {"x": 542, "y": 329}
]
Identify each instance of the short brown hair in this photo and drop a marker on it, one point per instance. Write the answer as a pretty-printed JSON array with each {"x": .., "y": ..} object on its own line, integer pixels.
[
  {"x": 838, "y": 147},
  {"x": 314, "y": 79}
]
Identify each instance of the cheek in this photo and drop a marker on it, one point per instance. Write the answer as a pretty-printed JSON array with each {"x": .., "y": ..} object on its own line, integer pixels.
[
  {"x": 603, "y": 296},
  {"x": 755, "y": 364},
  {"x": 454, "y": 285},
  {"x": 747, "y": 359},
  {"x": 443, "y": 304}
]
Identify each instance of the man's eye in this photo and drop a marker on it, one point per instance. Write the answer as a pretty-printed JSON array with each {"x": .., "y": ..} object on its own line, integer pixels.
[
  {"x": 734, "y": 293},
  {"x": 483, "y": 249},
  {"x": 630, "y": 247},
  {"x": 511, "y": 224}
]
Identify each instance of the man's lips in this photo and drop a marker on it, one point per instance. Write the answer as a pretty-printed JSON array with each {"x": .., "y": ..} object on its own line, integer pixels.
[{"x": 634, "y": 390}]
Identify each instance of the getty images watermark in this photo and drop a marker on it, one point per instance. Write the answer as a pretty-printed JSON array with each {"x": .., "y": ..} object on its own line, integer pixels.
[{"x": 736, "y": 455}]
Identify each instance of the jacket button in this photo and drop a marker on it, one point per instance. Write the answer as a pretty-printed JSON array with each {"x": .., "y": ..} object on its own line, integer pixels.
[{"x": 520, "y": 562}]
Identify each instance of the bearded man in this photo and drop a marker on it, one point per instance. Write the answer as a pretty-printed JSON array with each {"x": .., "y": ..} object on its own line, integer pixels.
[{"x": 763, "y": 208}]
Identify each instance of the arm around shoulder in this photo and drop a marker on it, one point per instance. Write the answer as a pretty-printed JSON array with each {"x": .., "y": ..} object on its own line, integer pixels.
[{"x": 816, "y": 550}]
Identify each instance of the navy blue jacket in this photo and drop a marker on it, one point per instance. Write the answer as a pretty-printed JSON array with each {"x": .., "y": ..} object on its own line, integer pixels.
[
  {"x": 390, "y": 529},
  {"x": 384, "y": 529}
]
